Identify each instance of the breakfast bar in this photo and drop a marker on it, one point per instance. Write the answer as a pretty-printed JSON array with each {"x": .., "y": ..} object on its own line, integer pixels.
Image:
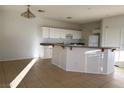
[{"x": 78, "y": 58}]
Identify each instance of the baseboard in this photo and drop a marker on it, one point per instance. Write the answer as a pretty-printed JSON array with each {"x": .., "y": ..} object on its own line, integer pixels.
[
  {"x": 120, "y": 64},
  {"x": 17, "y": 59}
]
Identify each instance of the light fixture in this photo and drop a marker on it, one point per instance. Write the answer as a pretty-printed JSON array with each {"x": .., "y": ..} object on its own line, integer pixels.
[
  {"x": 69, "y": 17},
  {"x": 89, "y": 8},
  {"x": 42, "y": 11},
  {"x": 28, "y": 14}
]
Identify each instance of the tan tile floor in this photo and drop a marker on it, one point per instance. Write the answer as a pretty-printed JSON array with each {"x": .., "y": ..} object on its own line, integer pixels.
[
  {"x": 45, "y": 75},
  {"x": 9, "y": 70}
]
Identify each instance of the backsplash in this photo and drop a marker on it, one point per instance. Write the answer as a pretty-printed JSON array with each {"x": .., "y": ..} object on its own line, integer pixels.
[{"x": 60, "y": 40}]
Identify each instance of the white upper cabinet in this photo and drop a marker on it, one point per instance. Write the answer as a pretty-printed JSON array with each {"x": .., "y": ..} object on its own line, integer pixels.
[
  {"x": 74, "y": 33},
  {"x": 67, "y": 32},
  {"x": 60, "y": 33},
  {"x": 54, "y": 33},
  {"x": 122, "y": 39},
  {"x": 77, "y": 34},
  {"x": 45, "y": 32},
  {"x": 111, "y": 33},
  {"x": 111, "y": 37}
]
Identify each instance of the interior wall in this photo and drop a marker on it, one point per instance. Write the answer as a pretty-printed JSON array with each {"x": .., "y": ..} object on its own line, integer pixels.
[
  {"x": 0, "y": 36},
  {"x": 20, "y": 37},
  {"x": 89, "y": 28}
]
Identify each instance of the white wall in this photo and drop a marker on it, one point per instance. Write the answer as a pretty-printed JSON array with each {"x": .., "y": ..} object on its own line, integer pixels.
[
  {"x": 88, "y": 28},
  {"x": 0, "y": 36},
  {"x": 19, "y": 37}
]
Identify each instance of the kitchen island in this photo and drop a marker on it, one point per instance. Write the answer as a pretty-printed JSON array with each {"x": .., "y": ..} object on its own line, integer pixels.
[{"x": 78, "y": 58}]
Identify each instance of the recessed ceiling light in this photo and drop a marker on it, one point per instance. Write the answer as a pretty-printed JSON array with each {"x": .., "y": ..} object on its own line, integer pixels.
[
  {"x": 69, "y": 17},
  {"x": 89, "y": 8},
  {"x": 42, "y": 11}
]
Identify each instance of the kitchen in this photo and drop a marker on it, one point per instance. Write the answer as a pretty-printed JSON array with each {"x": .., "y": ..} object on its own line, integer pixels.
[
  {"x": 68, "y": 51},
  {"x": 62, "y": 41}
]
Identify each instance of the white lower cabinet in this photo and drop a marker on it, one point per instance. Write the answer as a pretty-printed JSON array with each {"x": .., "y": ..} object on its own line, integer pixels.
[
  {"x": 58, "y": 57},
  {"x": 47, "y": 52},
  {"x": 100, "y": 62},
  {"x": 75, "y": 59},
  {"x": 92, "y": 63},
  {"x": 87, "y": 60}
]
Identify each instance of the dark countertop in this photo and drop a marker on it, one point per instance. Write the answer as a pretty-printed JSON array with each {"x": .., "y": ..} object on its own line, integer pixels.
[
  {"x": 49, "y": 44},
  {"x": 74, "y": 45},
  {"x": 83, "y": 46}
]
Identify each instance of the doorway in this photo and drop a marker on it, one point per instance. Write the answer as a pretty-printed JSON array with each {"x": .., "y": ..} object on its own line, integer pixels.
[{"x": 119, "y": 58}]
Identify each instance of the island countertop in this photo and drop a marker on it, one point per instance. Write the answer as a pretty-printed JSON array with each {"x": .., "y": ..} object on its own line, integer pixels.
[
  {"x": 75, "y": 46},
  {"x": 77, "y": 58}
]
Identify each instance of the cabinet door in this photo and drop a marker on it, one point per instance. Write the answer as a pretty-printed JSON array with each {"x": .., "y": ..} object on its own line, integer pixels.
[
  {"x": 122, "y": 40},
  {"x": 111, "y": 37},
  {"x": 55, "y": 33},
  {"x": 56, "y": 56},
  {"x": 92, "y": 63},
  {"x": 45, "y": 32},
  {"x": 74, "y": 33},
  {"x": 47, "y": 51},
  {"x": 75, "y": 60},
  {"x": 68, "y": 32},
  {"x": 62, "y": 33},
  {"x": 77, "y": 34}
]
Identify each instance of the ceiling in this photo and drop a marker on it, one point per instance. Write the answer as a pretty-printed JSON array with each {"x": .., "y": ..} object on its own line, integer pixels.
[{"x": 80, "y": 13}]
